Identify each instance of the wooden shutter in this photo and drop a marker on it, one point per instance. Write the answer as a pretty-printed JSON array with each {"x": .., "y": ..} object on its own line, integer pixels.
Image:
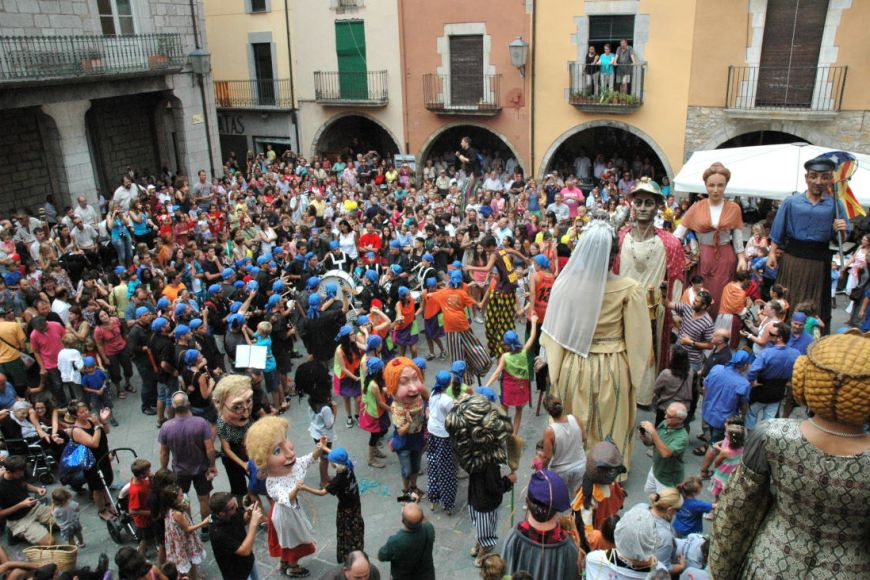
[
  {"x": 350, "y": 47},
  {"x": 790, "y": 52},
  {"x": 466, "y": 69}
]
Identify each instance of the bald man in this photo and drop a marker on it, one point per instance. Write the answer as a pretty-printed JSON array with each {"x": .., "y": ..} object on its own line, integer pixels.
[
  {"x": 409, "y": 551},
  {"x": 669, "y": 441},
  {"x": 356, "y": 567},
  {"x": 721, "y": 353}
]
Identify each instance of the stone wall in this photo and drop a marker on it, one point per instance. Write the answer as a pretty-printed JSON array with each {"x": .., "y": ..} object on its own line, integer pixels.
[
  {"x": 709, "y": 127},
  {"x": 48, "y": 17},
  {"x": 122, "y": 129},
  {"x": 24, "y": 171}
]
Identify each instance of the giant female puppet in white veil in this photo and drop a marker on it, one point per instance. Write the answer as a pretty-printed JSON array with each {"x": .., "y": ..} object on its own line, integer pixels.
[{"x": 597, "y": 339}]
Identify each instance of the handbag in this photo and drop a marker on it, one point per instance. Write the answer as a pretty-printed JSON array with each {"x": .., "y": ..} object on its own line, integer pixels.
[
  {"x": 76, "y": 456},
  {"x": 27, "y": 360}
]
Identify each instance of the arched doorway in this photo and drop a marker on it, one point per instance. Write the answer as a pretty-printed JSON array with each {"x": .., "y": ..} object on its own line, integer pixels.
[
  {"x": 761, "y": 138},
  {"x": 443, "y": 144},
  {"x": 354, "y": 133},
  {"x": 609, "y": 138}
]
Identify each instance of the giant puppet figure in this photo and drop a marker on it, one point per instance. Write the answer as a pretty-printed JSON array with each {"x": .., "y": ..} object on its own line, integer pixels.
[
  {"x": 597, "y": 339},
  {"x": 652, "y": 256}
]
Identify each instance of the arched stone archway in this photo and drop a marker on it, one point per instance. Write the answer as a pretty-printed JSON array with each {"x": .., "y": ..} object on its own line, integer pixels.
[
  {"x": 355, "y": 122},
  {"x": 550, "y": 154},
  {"x": 453, "y": 132},
  {"x": 730, "y": 130},
  {"x": 755, "y": 138}
]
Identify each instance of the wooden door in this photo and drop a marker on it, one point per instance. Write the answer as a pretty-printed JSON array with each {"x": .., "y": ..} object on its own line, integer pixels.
[
  {"x": 466, "y": 70},
  {"x": 350, "y": 47},
  {"x": 790, "y": 52}
]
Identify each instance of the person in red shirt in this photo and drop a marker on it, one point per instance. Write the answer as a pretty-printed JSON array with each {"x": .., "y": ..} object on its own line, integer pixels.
[
  {"x": 371, "y": 240},
  {"x": 45, "y": 340},
  {"x": 138, "y": 499}
]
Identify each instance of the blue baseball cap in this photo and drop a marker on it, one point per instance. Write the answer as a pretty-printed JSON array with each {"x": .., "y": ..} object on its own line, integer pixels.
[
  {"x": 372, "y": 276},
  {"x": 89, "y": 361},
  {"x": 431, "y": 282},
  {"x": 403, "y": 291},
  {"x": 277, "y": 250},
  {"x": 180, "y": 308},
  {"x": 227, "y": 273},
  {"x": 333, "y": 245},
  {"x": 314, "y": 300},
  {"x": 455, "y": 278},
  {"x": 362, "y": 320},
  {"x": 278, "y": 286},
  {"x": 374, "y": 342},
  {"x": 456, "y": 265},
  {"x": 442, "y": 379},
  {"x": 396, "y": 269},
  {"x": 163, "y": 303},
  {"x": 234, "y": 307},
  {"x": 420, "y": 362},
  {"x": 214, "y": 288},
  {"x": 395, "y": 244},
  {"x": 253, "y": 286},
  {"x": 428, "y": 257},
  {"x": 158, "y": 324},
  {"x": 458, "y": 367},
  {"x": 181, "y": 330},
  {"x": 235, "y": 319},
  {"x": 195, "y": 323},
  {"x": 343, "y": 331},
  {"x": 190, "y": 356},
  {"x": 263, "y": 259},
  {"x": 119, "y": 270},
  {"x": 374, "y": 365},
  {"x": 142, "y": 311},
  {"x": 313, "y": 282},
  {"x": 370, "y": 255},
  {"x": 487, "y": 392},
  {"x": 542, "y": 261},
  {"x": 273, "y": 300},
  {"x": 238, "y": 284}
]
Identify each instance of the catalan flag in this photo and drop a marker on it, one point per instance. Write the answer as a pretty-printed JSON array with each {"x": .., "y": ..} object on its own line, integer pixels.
[{"x": 846, "y": 166}]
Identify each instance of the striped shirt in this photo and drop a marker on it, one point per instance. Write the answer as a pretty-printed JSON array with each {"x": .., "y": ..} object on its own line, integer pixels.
[{"x": 697, "y": 329}]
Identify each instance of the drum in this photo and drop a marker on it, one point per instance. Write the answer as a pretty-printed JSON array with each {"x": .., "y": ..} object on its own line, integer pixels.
[{"x": 341, "y": 278}]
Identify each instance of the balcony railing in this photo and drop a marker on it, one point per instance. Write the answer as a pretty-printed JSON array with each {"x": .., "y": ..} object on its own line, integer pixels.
[
  {"x": 367, "y": 89},
  {"x": 620, "y": 92},
  {"x": 253, "y": 94},
  {"x": 48, "y": 58},
  {"x": 783, "y": 88},
  {"x": 462, "y": 94}
]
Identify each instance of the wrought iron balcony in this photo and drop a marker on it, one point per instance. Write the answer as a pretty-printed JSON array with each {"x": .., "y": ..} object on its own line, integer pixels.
[
  {"x": 360, "y": 89},
  {"x": 814, "y": 89},
  {"x": 616, "y": 93},
  {"x": 462, "y": 94},
  {"x": 253, "y": 94},
  {"x": 27, "y": 59}
]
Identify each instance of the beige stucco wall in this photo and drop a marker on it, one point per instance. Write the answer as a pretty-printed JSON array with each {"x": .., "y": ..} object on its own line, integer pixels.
[
  {"x": 314, "y": 50},
  {"x": 228, "y": 27},
  {"x": 668, "y": 52}
]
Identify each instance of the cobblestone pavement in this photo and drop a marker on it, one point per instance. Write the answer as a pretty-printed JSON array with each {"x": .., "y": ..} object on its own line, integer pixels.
[{"x": 378, "y": 487}]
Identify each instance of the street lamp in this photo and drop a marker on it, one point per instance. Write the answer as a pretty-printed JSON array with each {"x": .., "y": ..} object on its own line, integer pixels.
[
  {"x": 200, "y": 61},
  {"x": 519, "y": 50}
]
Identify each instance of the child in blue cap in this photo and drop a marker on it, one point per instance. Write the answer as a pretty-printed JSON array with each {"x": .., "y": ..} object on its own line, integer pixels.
[
  {"x": 96, "y": 389},
  {"x": 513, "y": 369}
]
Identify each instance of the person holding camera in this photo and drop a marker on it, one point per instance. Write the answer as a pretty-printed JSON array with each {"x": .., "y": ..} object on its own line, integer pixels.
[
  {"x": 25, "y": 515},
  {"x": 233, "y": 534},
  {"x": 669, "y": 441},
  {"x": 117, "y": 224}
]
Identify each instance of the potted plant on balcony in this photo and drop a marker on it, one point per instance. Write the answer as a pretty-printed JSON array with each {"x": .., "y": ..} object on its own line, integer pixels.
[
  {"x": 91, "y": 60},
  {"x": 160, "y": 59}
]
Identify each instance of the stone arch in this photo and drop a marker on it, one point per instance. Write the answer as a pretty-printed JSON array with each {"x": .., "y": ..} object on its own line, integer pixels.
[
  {"x": 325, "y": 127},
  {"x": 561, "y": 139},
  {"x": 426, "y": 148},
  {"x": 732, "y": 129}
]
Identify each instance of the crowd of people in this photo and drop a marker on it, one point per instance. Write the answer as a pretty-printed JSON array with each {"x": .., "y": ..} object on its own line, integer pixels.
[{"x": 231, "y": 295}]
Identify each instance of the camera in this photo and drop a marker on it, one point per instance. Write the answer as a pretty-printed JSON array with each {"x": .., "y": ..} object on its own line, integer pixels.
[{"x": 641, "y": 430}]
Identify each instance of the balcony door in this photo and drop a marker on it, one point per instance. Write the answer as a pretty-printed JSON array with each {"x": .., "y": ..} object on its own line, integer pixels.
[
  {"x": 350, "y": 48},
  {"x": 466, "y": 70},
  {"x": 263, "y": 71},
  {"x": 790, "y": 52}
]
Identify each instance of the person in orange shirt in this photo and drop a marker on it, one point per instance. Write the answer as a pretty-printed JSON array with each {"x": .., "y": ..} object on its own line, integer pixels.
[
  {"x": 732, "y": 303},
  {"x": 462, "y": 344},
  {"x": 431, "y": 325},
  {"x": 174, "y": 287},
  {"x": 407, "y": 334}
]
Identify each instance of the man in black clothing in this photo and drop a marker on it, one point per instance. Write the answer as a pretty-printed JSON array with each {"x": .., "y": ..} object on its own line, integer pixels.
[
  {"x": 721, "y": 353},
  {"x": 469, "y": 157},
  {"x": 25, "y": 516},
  {"x": 231, "y": 539},
  {"x": 163, "y": 350},
  {"x": 320, "y": 330},
  {"x": 207, "y": 345},
  {"x": 138, "y": 341}
]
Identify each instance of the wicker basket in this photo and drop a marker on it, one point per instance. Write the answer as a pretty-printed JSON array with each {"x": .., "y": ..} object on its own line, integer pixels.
[{"x": 64, "y": 555}]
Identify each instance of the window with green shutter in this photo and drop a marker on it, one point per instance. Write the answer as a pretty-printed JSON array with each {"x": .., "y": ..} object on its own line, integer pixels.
[{"x": 350, "y": 47}]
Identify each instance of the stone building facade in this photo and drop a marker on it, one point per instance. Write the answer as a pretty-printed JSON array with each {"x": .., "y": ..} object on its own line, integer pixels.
[{"x": 87, "y": 96}]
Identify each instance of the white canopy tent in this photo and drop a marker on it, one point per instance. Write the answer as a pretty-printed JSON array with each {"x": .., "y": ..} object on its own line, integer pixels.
[{"x": 769, "y": 171}]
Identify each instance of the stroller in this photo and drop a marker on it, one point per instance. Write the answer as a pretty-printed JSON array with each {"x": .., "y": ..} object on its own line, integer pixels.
[
  {"x": 121, "y": 527},
  {"x": 40, "y": 463}
]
